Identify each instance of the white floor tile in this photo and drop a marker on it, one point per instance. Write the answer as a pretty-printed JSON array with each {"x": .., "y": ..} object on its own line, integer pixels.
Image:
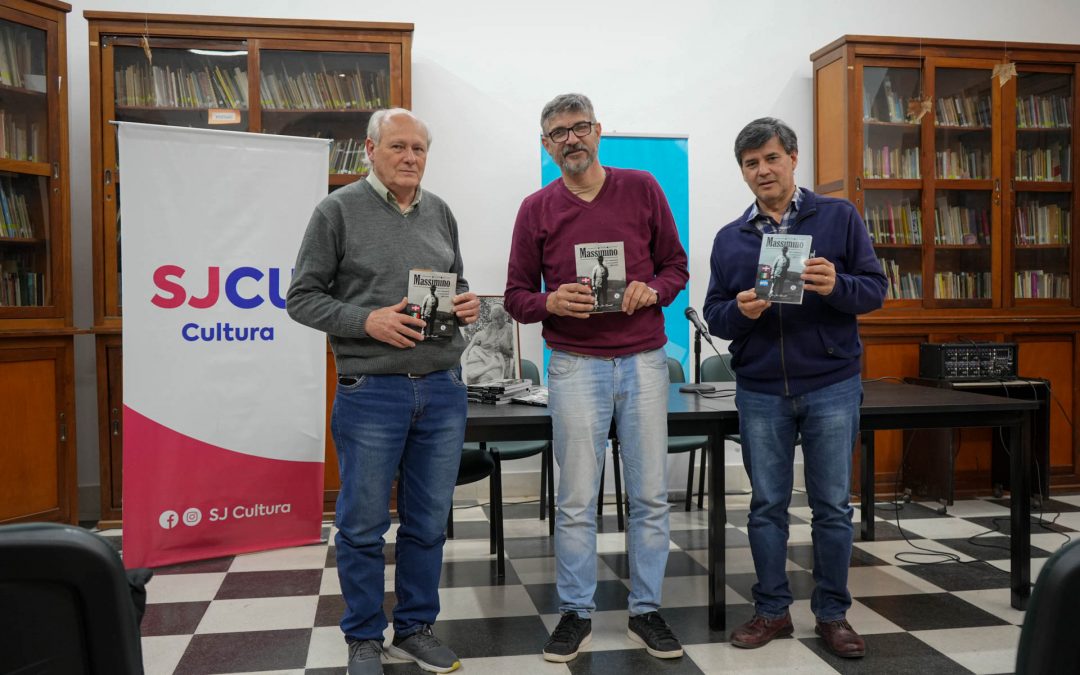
[
  {"x": 467, "y": 549},
  {"x": 183, "y": 587},
  {"x": 779, "y": 657},
  {"x": 686, "y": 591},
  {"x": 296, "y": 558},
  {"x": 941, "y": 528},
  {"x": 327, "y": 648},
  {"x": 531, "y": 664},
  {"x": 161, "y": 654},
  {"x": 887, "y": 550},
  {"x": 608, "y": 630},
  {"x": 863, "y": 619},
  {"x": 480, "y": 602},
  {"x": 1070, "y": 499},
  {"x": 331, "y": 583},
  {"x": 1035, "y": 569},
  {"x": 973, "y": 508},
  {"x": 886, "y": 580},
  {"x": 991, "y": 649},
  {"x": 227, "y": 616}
]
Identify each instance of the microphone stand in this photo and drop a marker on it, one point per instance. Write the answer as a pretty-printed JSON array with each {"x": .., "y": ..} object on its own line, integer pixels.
[{"x": 697, "y": 387}]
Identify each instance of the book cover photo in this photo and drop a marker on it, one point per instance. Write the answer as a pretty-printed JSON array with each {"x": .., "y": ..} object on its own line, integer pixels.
[
  {"x": 780, "y": 266},
  {"x": 602, "y": 267},
  {"x": 430, "y": 296}
]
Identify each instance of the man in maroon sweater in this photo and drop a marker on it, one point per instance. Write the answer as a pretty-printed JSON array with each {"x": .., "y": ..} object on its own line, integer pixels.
[{"x": 603, "y": 366}]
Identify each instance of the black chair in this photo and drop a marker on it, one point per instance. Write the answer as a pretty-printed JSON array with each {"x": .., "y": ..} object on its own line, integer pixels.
[
  {"x": 691, "y": 444},
  {"x": 1048, "y": 643},
  {"x": 476, "y": 465},
  {"x": 66, "y": 604}
]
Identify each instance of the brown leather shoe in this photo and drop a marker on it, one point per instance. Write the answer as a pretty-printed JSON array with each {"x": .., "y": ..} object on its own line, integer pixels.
[
  {"x": 841, "y": 639},
  {"x": 759, "y": 631}
]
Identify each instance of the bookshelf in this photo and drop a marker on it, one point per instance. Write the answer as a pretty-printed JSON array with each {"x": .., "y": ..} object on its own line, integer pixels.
[
  {"x": 320, "y": 79},
  {"x": 965, "y": 184},
  {"x": 38, "y": 478}
]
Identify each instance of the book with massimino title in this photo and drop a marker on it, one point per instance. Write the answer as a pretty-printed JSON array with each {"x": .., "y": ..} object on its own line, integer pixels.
[
  {"x": 430, "y": 295},
  {"x": 780, "y": 266},
  {"x": 602, "y": 267}
]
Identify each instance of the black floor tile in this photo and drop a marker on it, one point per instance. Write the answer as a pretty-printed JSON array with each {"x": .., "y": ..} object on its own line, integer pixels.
[
  {"x": 471, "y": 529},
  {"x": 197, "y": 567},
  {"x": 885, "y": 531},
  {"x": 906, "y": 511},
  {"x": 609, "y": 595},
  {"x": 691, "y": 624},
  {"x": 890, "y": 654},
  {"x": 530, "y": 547},
  {"x": 173, "y": 618},
  {"x": 635, "y": 661},
  {"x": 803, "y": 556},
  {"x": 679, "y": 564},
  {"x": 280, "y": 584},
  {"x": 974, "y": 576},
  {"x": 801, "y": 583},
  {"x": 332, "y": 671},
  {"x": 733, "y": 538},
  {"x": 989, "y": 547},
  {"x": 496, "y": 636},
  {"x": 930, "y": 611},
  {"x": 692, "y": 540},
  {"x": 329, "y": 610},
  {"x": 1003, "y": 525},
  {"x": 460, "y": 573},
  {"x": 244, "y": 652},
  {"x": 517, "y": 511}
]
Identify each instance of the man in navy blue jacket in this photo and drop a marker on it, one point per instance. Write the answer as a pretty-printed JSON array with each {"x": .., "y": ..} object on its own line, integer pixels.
[{"x": 797, "y": 370}]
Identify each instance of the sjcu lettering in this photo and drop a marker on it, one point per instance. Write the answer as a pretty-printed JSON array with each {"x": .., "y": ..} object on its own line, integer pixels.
[{"x": 243, "y": 288}]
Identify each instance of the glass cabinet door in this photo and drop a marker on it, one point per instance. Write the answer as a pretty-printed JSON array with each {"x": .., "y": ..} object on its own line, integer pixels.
[
  {"x": 1042, "y": 208},
  {"x": 892, "y": 174},
  {"x": 325, "y": 95},
  {"x": 26, "y": 250},
  {"x": 965, "y": 191}
]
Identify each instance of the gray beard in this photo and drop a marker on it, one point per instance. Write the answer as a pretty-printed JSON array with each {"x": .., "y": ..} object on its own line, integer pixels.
[{"x": 577, "y": 167}]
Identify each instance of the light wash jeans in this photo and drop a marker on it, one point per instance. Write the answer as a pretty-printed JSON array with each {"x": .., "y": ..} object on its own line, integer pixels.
[
  {"x": 381, "y": 425},
  {"x": 828, "y": 420},
  {"x": 585, "y": 394}
]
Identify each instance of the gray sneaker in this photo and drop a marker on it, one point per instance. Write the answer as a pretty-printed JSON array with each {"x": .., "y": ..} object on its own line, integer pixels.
[
  {"x": 365, "y": 657},
  {"x": 427, "y": 650}
]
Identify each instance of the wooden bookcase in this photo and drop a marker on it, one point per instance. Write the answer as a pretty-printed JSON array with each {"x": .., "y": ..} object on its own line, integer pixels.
[
  {"x": 966, "y": 182},
  {"x": 38, "y": 478},
  {"x": 279, "y": 76}
]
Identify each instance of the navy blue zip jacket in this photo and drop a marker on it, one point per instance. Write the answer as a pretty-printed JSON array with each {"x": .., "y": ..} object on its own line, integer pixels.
[{"x": 794, "y": 349}]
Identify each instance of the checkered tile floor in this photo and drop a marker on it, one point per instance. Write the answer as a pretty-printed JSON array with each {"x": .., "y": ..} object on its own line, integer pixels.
[{"x": 277, "y": 611}]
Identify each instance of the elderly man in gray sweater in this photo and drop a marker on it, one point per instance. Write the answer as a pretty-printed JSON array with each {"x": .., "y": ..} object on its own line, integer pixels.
[{"x": 400, "y": 403}]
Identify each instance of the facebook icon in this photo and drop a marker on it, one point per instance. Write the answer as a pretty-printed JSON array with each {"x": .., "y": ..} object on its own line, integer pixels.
[{"x": 168, "y": 519}]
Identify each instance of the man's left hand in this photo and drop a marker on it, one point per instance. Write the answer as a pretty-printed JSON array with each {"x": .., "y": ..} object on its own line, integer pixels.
[
  {"x": 637, "y": 295},
  {"x": 819, "y": 275},
  {"x": 466, "y": 307}
]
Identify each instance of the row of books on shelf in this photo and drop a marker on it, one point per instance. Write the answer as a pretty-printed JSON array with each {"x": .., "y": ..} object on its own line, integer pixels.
[
  {"x": 20, "y": 287},
  {"x": 1044, "y": 164},
  {"x": 962, "y": 285},
  {"x": 960, "y": 225},
  {"x": 1043, "y": 112},
  {"x": 335, "y": 89},
  {"x": 894, "y": 224},
  {"x": 1042, "y": 224},
  {"x": 895, "y": 107},
  {"x": 182, "y": 86},
  {"x": 891, "y": 162},
  {"x": 347, "y": 156},
  {"x": 17, "y": 59},
  {"x": 15, "y": 219},
  {"x": 963, "y": 163},
  {"x": 20, "y": 138},
  {"x": 902, "y": 285},
  {"x": 1040, "y": 284},
  {"x": 964, "y": 111}
]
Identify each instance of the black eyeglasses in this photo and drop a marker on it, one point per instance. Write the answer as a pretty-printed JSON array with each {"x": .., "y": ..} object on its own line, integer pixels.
[{"x": 560, "y": 134}]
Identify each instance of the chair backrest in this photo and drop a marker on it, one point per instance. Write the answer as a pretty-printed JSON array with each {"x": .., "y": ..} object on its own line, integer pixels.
[
  {"x": 675, "y": 371},
  {"x": 717, "y": 369},
  {"x": 1048, "y": 641},
  {"x": 66, "y": 603},
  {"x": 529, "y": 371}
]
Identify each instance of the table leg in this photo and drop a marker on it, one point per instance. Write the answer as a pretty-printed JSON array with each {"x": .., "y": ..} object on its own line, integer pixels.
[
  {"x": 717, "y": 518},
  {"x": 1020, "y": 512},
  {"x": 866, "y": 478}
]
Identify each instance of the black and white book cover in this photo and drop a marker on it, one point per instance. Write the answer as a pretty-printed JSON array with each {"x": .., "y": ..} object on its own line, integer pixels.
[
  {"x": 602, "y": 267},
  {"x": 780, "y": 266},
  {"x": 430, "y": 295}
]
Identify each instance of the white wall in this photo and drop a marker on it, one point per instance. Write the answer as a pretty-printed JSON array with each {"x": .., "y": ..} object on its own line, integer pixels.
[{"x": 482, "y": 70}]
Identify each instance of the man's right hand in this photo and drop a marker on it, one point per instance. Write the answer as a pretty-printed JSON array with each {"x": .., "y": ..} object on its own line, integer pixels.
[
  {"x": 389, "y": 325},
  {"x": 574, "y": 300},
  {"x": 751, "y": 305}
]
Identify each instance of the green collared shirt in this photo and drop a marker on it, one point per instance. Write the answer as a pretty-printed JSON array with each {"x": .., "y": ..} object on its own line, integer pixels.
[{"x": 389, "y": 196}]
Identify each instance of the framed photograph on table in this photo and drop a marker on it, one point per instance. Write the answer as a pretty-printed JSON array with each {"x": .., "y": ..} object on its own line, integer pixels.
[{"x": 492, "y": 345}]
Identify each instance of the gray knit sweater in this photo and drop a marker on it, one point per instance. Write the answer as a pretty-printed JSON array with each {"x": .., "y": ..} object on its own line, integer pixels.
[{"x": 355, "y": 258}]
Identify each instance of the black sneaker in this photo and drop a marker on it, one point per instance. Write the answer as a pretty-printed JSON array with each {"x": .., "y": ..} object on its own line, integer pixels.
[
  {"x": 427, "y": 650},
  {"x": 652, "y": 631},
  {"x": 365, "y": 657},
  {"x": 569, "y": 636}
]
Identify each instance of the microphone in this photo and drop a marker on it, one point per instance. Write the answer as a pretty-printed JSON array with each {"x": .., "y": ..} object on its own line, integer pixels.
[{"x": 698, "y": 324}]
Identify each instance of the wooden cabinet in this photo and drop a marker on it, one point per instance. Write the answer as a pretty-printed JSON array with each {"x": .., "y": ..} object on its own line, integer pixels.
[
  {"x": 294, "y": 77},
  {"x": 959, "y": 154},
  {"x": 37, "y": 408}
]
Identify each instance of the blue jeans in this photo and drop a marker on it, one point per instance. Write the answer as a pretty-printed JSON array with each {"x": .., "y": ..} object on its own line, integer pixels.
[
  {"x": 585, "y": 393},
  {"x": 382, "y": 424},
  {"x": 829, "y": 421}
]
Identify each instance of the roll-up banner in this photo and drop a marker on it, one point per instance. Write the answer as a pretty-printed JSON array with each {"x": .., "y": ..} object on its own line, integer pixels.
[{"x": 224, "y": 395}]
